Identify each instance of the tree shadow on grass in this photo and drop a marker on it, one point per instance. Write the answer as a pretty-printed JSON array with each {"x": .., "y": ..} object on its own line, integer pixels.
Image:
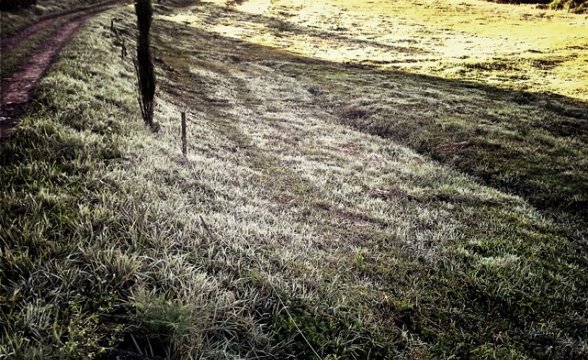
[{"x": 532, "y": 145}]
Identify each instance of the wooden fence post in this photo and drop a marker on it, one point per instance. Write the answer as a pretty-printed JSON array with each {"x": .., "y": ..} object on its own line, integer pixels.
[
  {"x": 123, "y": 50},
  {"x": 184, "y": 139}
]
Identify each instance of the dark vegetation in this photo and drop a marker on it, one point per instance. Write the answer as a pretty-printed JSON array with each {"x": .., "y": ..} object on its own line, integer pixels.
[
  {"x": 523, "y": 1},
  {"x": 11, "y": 5},
  {"x": 575, "y": 6}
]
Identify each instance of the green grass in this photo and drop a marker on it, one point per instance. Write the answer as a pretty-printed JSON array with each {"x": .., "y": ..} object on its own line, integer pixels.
[
  {"x": 283, "y": 233},
  {"x": 12, "y": 21},
  {"x": 56, "y": 302},
  {"x": 529, "y": 145},
  {"x": 13, "y": 58}
]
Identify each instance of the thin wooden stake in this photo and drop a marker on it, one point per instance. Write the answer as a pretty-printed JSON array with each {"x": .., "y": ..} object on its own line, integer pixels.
[
  {"x": 123, "y": 50},
  {"x": 184, "y": 140}
]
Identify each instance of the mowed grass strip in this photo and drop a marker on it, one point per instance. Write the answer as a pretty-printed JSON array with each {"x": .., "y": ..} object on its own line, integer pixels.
[{"x": 111, "y": 239}]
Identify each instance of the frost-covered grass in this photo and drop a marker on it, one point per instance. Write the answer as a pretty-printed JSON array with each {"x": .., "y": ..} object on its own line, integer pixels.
[{"x": 284, "y": 233}]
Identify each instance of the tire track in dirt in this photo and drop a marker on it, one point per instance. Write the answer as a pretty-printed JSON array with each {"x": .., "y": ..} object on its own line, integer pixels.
[
  {"x": 16, "y": 90},
  {"x": 15, "y": 39},
  {"x": 12, "y": 42}
]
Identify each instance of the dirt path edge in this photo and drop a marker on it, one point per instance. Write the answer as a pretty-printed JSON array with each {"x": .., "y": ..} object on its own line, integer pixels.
[{"x": 16, "y": 90}]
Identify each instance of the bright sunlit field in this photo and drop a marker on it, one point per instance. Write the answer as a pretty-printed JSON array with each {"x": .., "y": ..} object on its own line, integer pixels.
[{"x": 514, "y": 46}]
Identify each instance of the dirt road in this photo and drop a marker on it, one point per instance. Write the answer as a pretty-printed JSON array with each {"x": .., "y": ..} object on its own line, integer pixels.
[{"x": 16, "y": 89}]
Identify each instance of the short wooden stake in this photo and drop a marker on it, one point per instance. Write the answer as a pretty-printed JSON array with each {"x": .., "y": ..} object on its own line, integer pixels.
[
  {"x": 184, "y": 139},
  {"x": 112, "y": 25},
  {"x": 123, "y": 50}
]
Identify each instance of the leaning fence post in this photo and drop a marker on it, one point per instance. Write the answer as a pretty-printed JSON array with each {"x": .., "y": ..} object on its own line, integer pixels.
[{"x": 184, "y": 140}]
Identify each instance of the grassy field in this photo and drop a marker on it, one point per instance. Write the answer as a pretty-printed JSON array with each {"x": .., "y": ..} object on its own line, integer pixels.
[
  {"x": 517, "y": 47},
  {"x": 529, "y": 142},
  {"x": 324, "y": 210}
]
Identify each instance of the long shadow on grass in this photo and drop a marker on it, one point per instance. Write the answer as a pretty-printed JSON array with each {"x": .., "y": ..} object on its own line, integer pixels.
[
  {"x": 529, "y": 144},
  {"x": 532, "y": 145},
  {"x": 453, "y": 121}
]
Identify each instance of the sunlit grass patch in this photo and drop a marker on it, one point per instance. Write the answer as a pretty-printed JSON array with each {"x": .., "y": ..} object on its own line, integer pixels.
[{"x": 503, "y": 45}]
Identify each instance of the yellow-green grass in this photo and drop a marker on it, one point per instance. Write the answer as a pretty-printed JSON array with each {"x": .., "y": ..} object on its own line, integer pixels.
[
  {"x": 517, "y": 47},
  {"x": 282, "y": 233}
]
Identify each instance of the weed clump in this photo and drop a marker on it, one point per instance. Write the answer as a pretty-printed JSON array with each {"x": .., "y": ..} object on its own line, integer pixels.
[{"x": 575, "y": 6}]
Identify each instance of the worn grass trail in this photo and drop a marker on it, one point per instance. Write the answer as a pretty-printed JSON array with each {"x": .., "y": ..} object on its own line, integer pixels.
[{"x": 114, "y": 240}]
